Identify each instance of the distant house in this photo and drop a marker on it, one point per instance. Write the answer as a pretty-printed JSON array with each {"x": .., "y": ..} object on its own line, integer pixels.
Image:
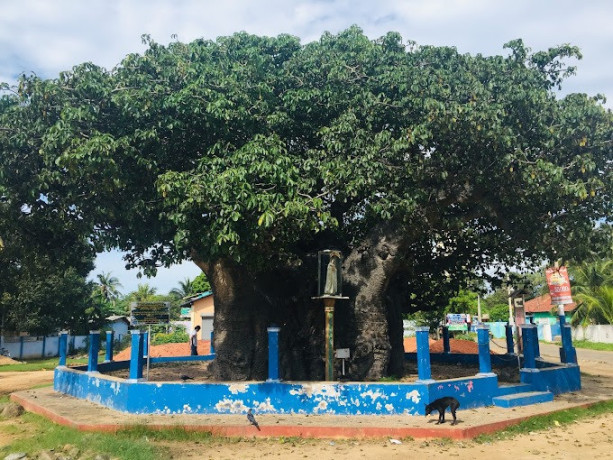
[
  {"x": 200, "y": 309},
  {"x": 118, "y": 324},
  {"x": 541, "y": 311}
]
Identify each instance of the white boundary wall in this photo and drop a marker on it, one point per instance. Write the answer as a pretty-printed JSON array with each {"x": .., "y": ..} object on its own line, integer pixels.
[
  {"x": 602, "y": 333},
  {"x": 33, "y": 347}
]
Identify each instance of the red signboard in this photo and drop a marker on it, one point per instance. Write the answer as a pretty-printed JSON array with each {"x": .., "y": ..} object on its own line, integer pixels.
[{"x": 559, "y": 286}]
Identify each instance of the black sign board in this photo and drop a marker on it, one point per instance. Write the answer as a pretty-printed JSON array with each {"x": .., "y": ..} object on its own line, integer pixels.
[{"x": 149, "y": 313}]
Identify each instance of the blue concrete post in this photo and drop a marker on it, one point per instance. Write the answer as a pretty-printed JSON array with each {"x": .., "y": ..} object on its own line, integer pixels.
[
  {"x": 424, "y": 371},
  {"x": 537, "y": 348},
  {"x": 446, "y": 347},
  {"x": 108, "y": 356},
  {"x": 568, "y": 354},
  {"x": 21, "y": 340},
  {"x": 94, "y": 349},
  {"x": 529, "y": 349},
  {"x": 136, "y": 356},
  {"x": 44, "y": 346},
  {"x": 483, "y": 338},
  {"x": 212, "y": 347},
  {"x": 273, "y": 354},
  {"x": 508, "y": 329},
  {"x": 63, "y": 347},
  {"x": 146, "y": 344}
]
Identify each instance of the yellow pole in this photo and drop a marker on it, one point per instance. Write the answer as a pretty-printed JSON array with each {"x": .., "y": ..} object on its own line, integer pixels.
[{"x": 329, "y": 308}]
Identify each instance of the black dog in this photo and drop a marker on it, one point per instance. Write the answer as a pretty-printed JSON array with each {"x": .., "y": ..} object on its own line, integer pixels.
[{"x": 441, "y": 405}]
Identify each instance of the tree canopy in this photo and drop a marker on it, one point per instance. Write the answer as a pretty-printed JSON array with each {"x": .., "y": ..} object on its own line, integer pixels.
[{"x": 248, "y": 154}]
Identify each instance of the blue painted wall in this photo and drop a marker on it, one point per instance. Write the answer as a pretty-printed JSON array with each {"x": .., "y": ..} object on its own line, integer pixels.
[
  {"x": 560, "y": 379},
  {"x": 270, "y": 397},
  {"x": 304, "y": 398}
]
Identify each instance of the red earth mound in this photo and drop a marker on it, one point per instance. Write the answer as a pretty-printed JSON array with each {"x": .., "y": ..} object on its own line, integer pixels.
[
  {"x": 168, "y": 349},
  {"x": 464, "y": 347},
  {"x": 182, "y": 349}
]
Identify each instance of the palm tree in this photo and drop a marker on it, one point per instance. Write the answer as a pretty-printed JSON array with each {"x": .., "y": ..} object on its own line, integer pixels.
[
  {"x": 143, "y": 293},
  {"x": 592, "y": 287},
  {"x": 107, "y": 287},
  {"x": 185, "y": 289},
  {"x": 589, "y": 276}
]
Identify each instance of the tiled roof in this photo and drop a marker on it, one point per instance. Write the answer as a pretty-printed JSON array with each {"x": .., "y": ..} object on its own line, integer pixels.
[{"x": 543, "y": 304}]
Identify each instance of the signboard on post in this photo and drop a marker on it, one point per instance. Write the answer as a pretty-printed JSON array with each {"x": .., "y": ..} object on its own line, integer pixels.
[
  {"x": 456, "y": 321},
  {"x": 148, "y": 313},
  {"x": 559, "y": 286}
]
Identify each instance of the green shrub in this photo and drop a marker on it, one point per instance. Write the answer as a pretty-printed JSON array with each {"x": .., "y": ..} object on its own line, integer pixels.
[{"x": 172, "y": 337}]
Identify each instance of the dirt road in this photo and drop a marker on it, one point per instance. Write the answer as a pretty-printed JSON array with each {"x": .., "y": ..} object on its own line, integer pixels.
[{"x": 15, "y": 381}]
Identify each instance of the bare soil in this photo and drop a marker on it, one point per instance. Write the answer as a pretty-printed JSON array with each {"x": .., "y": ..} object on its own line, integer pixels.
[{"x": 199, "y": 371}]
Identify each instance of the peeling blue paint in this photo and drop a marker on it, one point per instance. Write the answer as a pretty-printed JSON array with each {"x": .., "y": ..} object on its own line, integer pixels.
[
  {"x": 269, "y": 397},
  {"x": 275, "y": 397}
]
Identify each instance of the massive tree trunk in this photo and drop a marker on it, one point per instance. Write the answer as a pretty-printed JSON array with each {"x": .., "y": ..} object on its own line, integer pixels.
[
  {"x": 240, "y": 323},
  {"x": 367, "y": 322},
  {"x": 247, "y": 303}
]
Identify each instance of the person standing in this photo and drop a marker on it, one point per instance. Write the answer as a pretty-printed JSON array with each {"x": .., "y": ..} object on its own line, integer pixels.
[
  {"x": 193, "y": 341},
  {"x": 468, "y": 322}
]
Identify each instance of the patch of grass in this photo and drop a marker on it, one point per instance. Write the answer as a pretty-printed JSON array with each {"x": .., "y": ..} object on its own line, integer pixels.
[
  {"x": 289, "y": 439},
  {"x": 593, "y": 345},
  {"x": 46, "y": 364},
  {"x": 545, "y": 422},
  {"x": 170, "y": 434},
  {"x": 43, "y": 435},
  {"x": 470, "y": 336}
]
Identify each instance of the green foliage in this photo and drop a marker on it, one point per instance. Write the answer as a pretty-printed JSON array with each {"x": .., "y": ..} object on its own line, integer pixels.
[
  {"x": 185, "y": 289},
  {"x": 179, "y": 336},
  {"x": 469, "y": 336},
  {"x": 144, "y": 293},
  {"x": 463, "y": 302},
  {"x": 201, "y": 283},
  {"x": 498, "y": 312},
  {"x": 262, "y": 150},
  {"x": 430, "y": 318},
  {"x": 592, "y": 288}
]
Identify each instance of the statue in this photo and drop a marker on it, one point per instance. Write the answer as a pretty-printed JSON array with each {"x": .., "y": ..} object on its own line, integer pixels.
[{"x": 331, "y": 286}]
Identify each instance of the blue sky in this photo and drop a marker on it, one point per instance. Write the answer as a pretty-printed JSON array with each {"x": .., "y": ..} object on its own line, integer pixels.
[{"x": 46, "y": 37}]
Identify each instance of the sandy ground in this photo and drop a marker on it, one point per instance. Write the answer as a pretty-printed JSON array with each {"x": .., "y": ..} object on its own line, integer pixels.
[{"x": 589, "y": 438}]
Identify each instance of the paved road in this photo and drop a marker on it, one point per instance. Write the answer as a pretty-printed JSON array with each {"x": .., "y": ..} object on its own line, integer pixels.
[
  {"x": 590, "y": 361},
  {"x": 605, "y": 357}
]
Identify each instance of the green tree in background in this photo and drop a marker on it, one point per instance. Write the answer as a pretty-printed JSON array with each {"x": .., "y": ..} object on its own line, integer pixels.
[
  {"x": 185, "y": 289},
  {"x": 201, "y": 283},
  {"x": 592, "y": 288},
  {"x": 464, "y": 302},
  {"x": 144, "y": 293},
  {"x": 107, "y": 287}
]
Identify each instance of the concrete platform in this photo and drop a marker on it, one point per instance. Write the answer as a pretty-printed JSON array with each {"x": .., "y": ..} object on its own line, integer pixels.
[
  {"x": 86, "y": 416},
  {"x": 523, "y": 399}
]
